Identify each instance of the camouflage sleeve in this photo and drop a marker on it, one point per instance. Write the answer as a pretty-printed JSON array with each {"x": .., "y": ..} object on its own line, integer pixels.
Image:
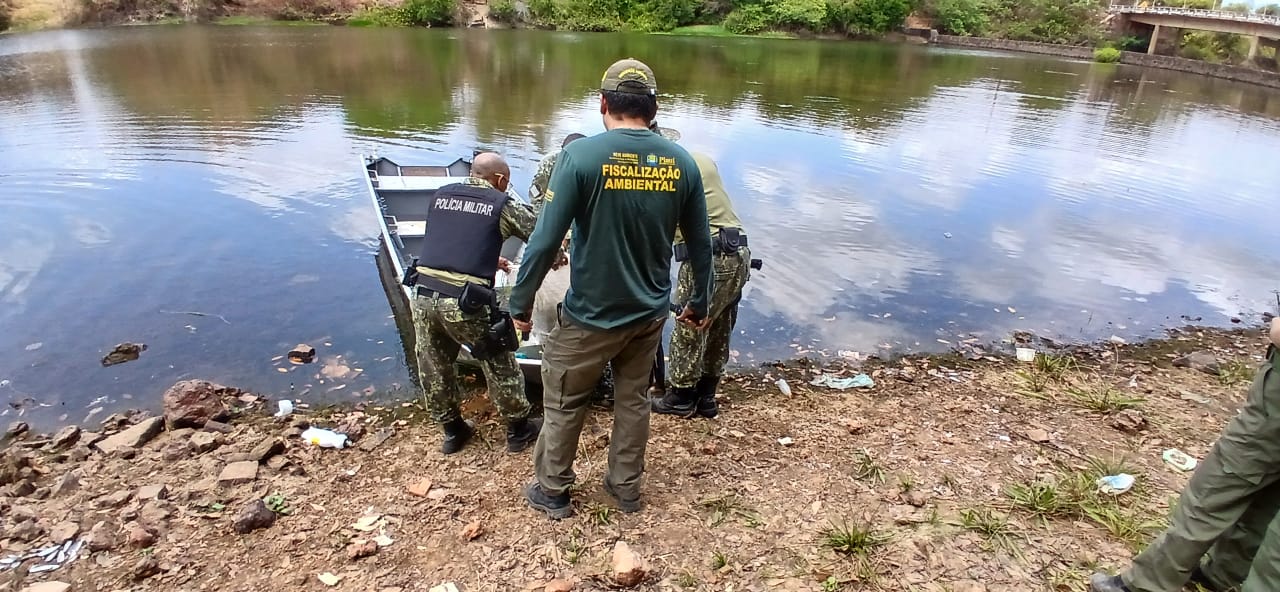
[
  {"x": 538, "y": 188},
  {"x": 517, "y": 220}
]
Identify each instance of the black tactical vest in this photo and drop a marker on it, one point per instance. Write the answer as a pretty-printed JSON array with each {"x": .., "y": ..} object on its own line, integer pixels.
[{"x": 462, "y": 231}]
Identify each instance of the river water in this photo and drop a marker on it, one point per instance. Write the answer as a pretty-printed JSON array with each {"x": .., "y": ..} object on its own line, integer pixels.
[{"x": 904, "y": 198}]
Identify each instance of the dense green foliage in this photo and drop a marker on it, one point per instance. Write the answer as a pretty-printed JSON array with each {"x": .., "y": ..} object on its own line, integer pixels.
[
  {"x": 503, "y": 11},
  {"x": 1106, "y": 55},
  {"x": 866, "y": 17},
  {"x": 5, "y": 20},
  {"x": 1214, "y": 47},
  {"x": 1270, "y": 9},
  {"x": 1074, "y": 22},
  {"x": 429, "y": 12},
  {"x": 743, "y": 17},
  {"x": 747, "y": 20}
]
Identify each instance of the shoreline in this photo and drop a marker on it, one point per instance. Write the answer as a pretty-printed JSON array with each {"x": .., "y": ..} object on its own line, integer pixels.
[{"x": 931, "y": 456}]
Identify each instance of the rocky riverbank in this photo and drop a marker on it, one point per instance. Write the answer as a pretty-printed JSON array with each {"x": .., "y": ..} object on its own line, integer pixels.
[{"x": 960, "y": 472}]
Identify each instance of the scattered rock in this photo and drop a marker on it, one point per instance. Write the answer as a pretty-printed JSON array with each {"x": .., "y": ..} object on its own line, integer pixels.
[
  {"x": 1038, "y": 435},
  {"x": 63, "y": 532},
  {"x": 629, "y": 569},
  {"x": 153, "y": 492},
  {"x": 352, "y": 427},
  {"x": 558, "y": 585},
  {"x": 360, "y": 548},
  {"x": 302, "y": 354},
  {"x": 140, "y": 537},
  {"x": 20, "y": 514},
  {"x": 1202, "y": 361},
  {"x": 133, "y": 437},
  {"x": 329, "y": 579},
  {"x": 80, "y": 454},
  {"x": 278, "y": 462},
  {"x": 48, "y": 587},
  {"x": 176, "y": 450},
  {"x": 377, "y": 439},
  {"x": 102, "y": 537},
  {"x": 204, "y": 441},
  {"x": 16, "y": 429},
  {"x": 421, "y": 488},
  {"x": 144, "y": 568},
  {"x": 115, "y": 500},
  {"x": 291, "y": 432},
  {"x": 1194, "y": 398},
  {"x": 65, "y": 437},
  {"x": 154, "y": 514},
  {"x": 66, "y": 483},
  {"x": 237, "y": 473},
  {"x": 25, "y": 531},
  {"x": 472, "y": 531},
  {"x": 855, "y": 426},
  {"x": 916, "y": 498},
  {"x": 255, "y": 515},
  {"x": 217, "y": 426},
  {"x": 266, "y": 449},
  {"x": 115, "y": 421},
  {"x": 191, "y": 403},
  {"x": 1129, "y": 421},
  {"x": 125, "y": 352}
]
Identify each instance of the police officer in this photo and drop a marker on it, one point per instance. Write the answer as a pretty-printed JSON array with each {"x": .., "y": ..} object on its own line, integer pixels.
[
  {"x": 1224, "y": 533},
  {"x": 698, "y": 357},
  {"x": 466, "y": 225},
  {"x": 541, "y": 177}
]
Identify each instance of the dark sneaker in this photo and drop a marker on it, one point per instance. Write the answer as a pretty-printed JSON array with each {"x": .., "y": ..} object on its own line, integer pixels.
[
  {"x": 1105, "y": 583},
  {"x": 626, "y": 505},
  {"x": 681, "y": 402},
  {"x": 522, "y": 433},
  {"x": 1199, "y": 578},
  {"x": 456, "y": 435},
  {"x": 707, "y": 396},
  {"x": 557, "y": 507}
]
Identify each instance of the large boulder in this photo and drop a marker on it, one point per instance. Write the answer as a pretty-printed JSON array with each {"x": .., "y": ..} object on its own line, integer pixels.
[{"x": 191, "y": 403}]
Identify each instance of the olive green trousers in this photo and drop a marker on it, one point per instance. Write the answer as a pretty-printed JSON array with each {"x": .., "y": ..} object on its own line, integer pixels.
[{"x": 1226, "y": 519}]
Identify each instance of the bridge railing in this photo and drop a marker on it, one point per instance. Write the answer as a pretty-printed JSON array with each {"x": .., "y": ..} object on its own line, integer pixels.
[{"x": 1198, "y": 13}]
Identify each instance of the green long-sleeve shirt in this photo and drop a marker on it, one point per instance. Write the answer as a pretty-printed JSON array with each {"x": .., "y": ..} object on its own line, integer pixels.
[{"x": 624, "y": 192}]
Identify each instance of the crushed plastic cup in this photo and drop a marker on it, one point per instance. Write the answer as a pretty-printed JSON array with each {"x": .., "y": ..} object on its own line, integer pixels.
[
  {"x": 286, "y": 408},
  {"x": 783, "y": 386},
  {"x": 324, "y": 438},
  {"x": 1026, "y": 354},
  {"x": 1115, "y": 484},
  {"x": 1179, "y": 460}
]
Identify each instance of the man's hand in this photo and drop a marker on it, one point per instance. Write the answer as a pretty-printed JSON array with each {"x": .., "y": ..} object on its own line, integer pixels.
[
  {"x": 562, "y": 259},
  {"x": 522, "y": 326},
  {"x": 688, "y": 318},
  {"x": 504, "y": 264}
]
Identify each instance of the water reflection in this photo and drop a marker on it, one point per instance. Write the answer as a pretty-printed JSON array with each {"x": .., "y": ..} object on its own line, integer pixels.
[{"x": 903, "y": 197}]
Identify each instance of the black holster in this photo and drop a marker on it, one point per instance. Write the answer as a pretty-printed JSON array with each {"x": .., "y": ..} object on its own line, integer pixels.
[
  {"x": 411, "y": 274},
  {"x": 501, "y": 335}
]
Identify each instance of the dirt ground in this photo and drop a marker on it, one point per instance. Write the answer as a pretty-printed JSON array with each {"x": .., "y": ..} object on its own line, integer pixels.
[{"x": 948, "y": 475}]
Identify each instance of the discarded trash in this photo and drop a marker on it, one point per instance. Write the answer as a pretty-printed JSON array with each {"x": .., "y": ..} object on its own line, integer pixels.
[
  {"x": 302, "y": 354},
  {"x": 368, "y": 523},
  {"x": 383, "y": 540},
  {"x": 946, "y": 234},
  {"x": 329, "y": 579},
  {"x": 1179, "y": 460},
  {"x": 286, "y": 408},
  {"x": 1117, "y": 340},
  {"x": 1115, "y": 484},
  {"x": 325, "y": 438},
  {"x": 786, "y": 441},
  {"x": 1026, "y": 354},
  {"x": 52, "y": 557},
  {"x": 783, "y": 386},
  {"x": 828, "y": 380}
]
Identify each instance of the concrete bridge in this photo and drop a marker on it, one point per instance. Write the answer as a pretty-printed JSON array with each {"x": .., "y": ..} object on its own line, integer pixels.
[{"x": 1166, "y": 23}]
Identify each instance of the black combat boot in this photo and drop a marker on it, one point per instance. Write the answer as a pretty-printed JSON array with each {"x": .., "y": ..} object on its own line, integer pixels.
[
  {"x": 522, "y": 433},
  {"x": 456, "y": 434},
  {"x": 707, "y": 396},
  {"x": 1105, "y": 583},
  {"x": 557, "y": 507},
  {"x": 679, "y": 401}
]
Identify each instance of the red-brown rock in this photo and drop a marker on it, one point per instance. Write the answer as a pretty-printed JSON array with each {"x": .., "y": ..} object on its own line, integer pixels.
[{"x": 191, "y": 403}]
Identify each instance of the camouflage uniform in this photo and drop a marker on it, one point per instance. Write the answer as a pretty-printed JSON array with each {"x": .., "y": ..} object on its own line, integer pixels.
[
  {"x": 538, "y": 188},
  {"x": 694, "y": 353},
  {"x": 440, "y": 327}
]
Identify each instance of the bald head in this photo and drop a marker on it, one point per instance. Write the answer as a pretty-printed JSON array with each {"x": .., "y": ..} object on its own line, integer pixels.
[{"x": 492, "y": 168}]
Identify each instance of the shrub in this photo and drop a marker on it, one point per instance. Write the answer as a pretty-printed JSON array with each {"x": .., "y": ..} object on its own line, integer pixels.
[
  {"x": 960, "y": 17},
  {"x": 1106, "y": 55},
  {"x": 866, "y": 16},
  {"x": 747, "y": 20},
  {"x": 587, "y": 15},
  {"x": 663, "y": 15},
  {"x": 542, "y": 11},
  {"x": 428, "y": 12},
  {"x": 503, "y": 11},
  {"x": 800, "y": 14},
  {"x": 1269, "y": 10}
]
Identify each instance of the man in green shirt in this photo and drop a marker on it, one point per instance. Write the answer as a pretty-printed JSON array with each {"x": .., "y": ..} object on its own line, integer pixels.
[{"x": 624, "y": 192}]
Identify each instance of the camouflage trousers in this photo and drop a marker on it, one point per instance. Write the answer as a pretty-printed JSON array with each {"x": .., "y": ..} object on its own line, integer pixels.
[
  {"x": 694, "y": 353},
  {"x": 1225, "y": 522},
  {"x": 440, "y": 327}
]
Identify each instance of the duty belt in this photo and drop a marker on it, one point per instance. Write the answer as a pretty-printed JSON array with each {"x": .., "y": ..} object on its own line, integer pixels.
[
  {"x": 682, "y": 250},
  {"x": 428, "y": 287}
]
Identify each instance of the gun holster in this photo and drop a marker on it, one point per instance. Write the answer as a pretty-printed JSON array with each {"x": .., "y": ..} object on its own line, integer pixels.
[
  {"x": 475, "y": 297},
  {"x": 500, "y": 337},
  {"x": 729, "y": 240}
]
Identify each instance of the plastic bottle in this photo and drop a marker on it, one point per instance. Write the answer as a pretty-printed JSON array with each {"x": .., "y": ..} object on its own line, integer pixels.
[
  {"x": 325, "y": 438},
  {"x": 286, "y": 408},
  {"x": 783, "y": 386}
]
